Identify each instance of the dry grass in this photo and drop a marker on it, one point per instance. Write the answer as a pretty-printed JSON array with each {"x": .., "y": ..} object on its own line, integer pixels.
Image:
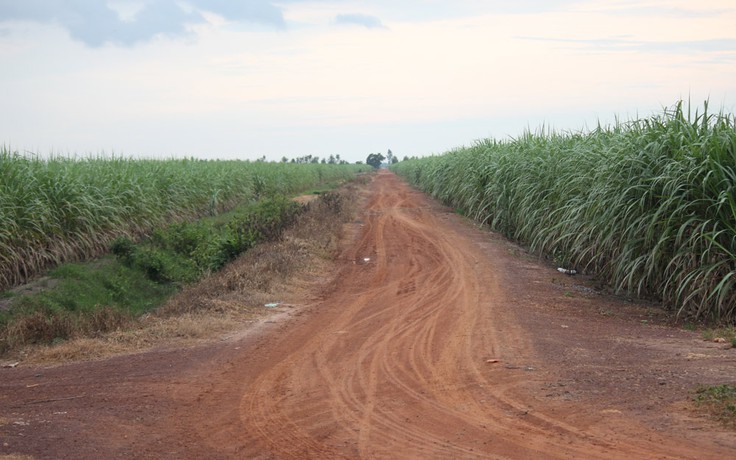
[
  {"x": 30, "y": 328},
  {"x": 232, "y": 299}
]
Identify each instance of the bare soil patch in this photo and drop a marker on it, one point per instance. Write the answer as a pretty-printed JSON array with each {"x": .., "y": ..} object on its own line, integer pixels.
[{"x": 427, "y": 338}]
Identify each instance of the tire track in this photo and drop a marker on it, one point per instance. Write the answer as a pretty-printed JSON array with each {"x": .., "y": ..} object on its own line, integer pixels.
[
  {"x": 441, "y": 345},
  {"x": 397, "y": 368}
]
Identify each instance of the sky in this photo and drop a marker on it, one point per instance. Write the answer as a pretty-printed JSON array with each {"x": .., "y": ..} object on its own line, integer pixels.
[{"x": 245, "y": 79}]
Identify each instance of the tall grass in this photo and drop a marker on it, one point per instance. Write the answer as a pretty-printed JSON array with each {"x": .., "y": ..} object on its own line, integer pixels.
[
  {"x": 64, "y": 209},
  {"x": 648, "y": 205}
]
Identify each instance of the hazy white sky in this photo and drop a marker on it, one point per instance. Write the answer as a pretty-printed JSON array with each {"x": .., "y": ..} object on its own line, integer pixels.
[{"x": 242, "y": 79}]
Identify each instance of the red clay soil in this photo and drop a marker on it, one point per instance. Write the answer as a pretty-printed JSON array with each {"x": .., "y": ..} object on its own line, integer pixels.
[{"x": 435, "y": 339}]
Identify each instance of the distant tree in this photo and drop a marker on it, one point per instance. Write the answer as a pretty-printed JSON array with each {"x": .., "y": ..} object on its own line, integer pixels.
[
  {"x": 390, "y": 156},
  {"x": 375, "y": 160},
  {"x": 284, "y": 160},
  {"x": 332, "y": 160},
  {"x": 406, "y": 158},
  {"x": 305, "y": 159}
]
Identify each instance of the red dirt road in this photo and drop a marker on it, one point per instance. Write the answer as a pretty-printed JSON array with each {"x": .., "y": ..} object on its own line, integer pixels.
[{"x": 434, "y": 340}]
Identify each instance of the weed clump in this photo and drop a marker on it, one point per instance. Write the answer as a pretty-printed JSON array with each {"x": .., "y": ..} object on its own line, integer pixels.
[{"x": 719, "y": 401}]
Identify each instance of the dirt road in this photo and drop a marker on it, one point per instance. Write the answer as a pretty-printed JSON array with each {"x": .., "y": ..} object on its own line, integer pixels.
[{"x": 434, "y": 340}]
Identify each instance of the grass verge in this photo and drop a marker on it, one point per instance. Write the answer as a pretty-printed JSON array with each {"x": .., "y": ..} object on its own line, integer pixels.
[
  {"x": 85, "y": 300},
  {"x": 222, "y": 301}
]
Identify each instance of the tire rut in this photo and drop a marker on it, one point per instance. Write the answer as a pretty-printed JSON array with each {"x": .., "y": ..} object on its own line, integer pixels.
[
  {"x": 432, "y": 341},
  {"x": 399, "y": 370}
]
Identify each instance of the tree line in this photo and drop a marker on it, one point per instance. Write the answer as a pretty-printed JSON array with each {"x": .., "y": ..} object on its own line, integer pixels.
[{"x": 373, "y": 159}]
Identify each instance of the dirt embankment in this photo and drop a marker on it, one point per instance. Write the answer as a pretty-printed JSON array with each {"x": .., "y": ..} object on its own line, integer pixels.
[{"x": 434, "y": 339}]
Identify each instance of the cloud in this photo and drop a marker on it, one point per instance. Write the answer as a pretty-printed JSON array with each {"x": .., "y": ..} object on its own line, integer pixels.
[
  {"x": 256, "y": 11},
  {"x": 96, "y": 23},
  {"x": 692, "y": 46},
  {"x": 660, "y": 11},
  {"x": 370, "y": 22},
  {"x": 724, "y": 45}
]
